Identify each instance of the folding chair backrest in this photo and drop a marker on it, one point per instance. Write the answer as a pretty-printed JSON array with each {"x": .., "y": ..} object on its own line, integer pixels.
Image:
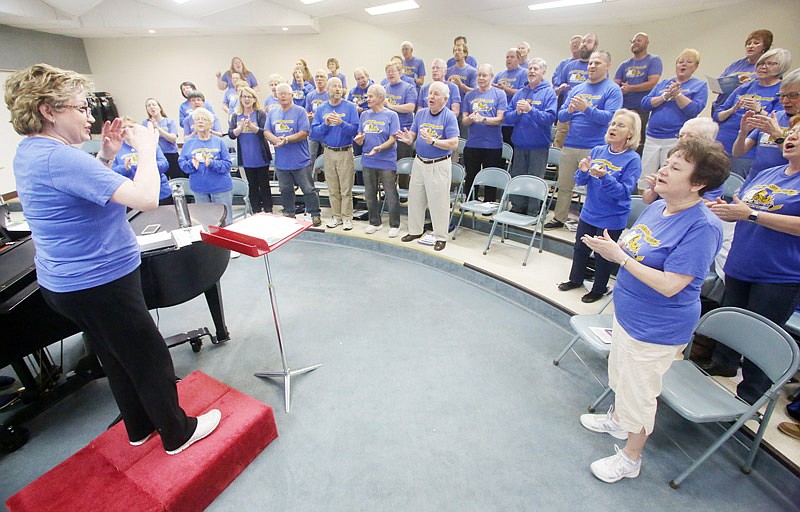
[
  {"x": 239, "y": 187},
  {"x": 404, "y": 165},
  {"x": 492, "y": 177},
  {"x": 508, "y": 154},
  {"x": 553, "y": 156},
  {"x": 758, "y": 339},
  {"x": 637, "y": 207},
  {"x": 187, "y": 190},
  {"x": 319, "y": 163},
  {"x": 357, "y": 164},
  {"x": 731, "y": 187},
  {"x": 529, "y": 186}
]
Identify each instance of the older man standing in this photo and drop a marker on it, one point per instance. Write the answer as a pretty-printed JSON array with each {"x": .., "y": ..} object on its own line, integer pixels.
[
  {"x": 412, "y": 66},
  {"x": 510, "y": 80},
  {"x": 430, "y": 175},
  {"x": 637, "y": 76},
  {"x": 335, "y": 124},
  {"x": 358, "y": 96},
  {"x": 438, "y": 70},
  {"x": 574, "y": 73},
  {"x": 589, "y": 108},
  {"x": 524, "y": 49},
  {"x": 401, "y": 97},
  {"x": 287, "y": 129},
  {"x": 313, "y": 100},
  {"x": 484, "y": 109},
  {"x": 531, "y": 112}
]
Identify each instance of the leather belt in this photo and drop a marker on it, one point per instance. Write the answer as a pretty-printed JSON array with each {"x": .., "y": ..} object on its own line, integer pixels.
[
  {"x": 342, "y": 148},
  {"x": 432, "y": 160}
]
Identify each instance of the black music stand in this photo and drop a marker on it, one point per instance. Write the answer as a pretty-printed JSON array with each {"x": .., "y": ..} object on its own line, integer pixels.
[{"x": 256, "y": 236}]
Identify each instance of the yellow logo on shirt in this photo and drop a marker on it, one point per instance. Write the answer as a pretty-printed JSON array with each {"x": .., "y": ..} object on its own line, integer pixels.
[
  {"x": 482, "y": 105},
  {"x": 431, "y": 129},
  {"x": 373, "y": 126},
  {"x": 204, "y": 154},
  {"x": 762, "y": 197},
  {"x": 283, "y": 126},
  {"x": 589, "y": 98},
  {"x": 608, "y": 165},
  {"x": 577, "y": 75},
  {"x": 632, "y": 240}
]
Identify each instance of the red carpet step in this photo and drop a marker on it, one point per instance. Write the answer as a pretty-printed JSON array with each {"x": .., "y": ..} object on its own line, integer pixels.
[{"x": 111, "y": 475}]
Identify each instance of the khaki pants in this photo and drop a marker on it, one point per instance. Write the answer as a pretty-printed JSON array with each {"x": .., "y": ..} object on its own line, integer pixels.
[
  {"x": 562, "y": 129},
  {"x": 429, "y": 188},
  {"x": 567, "y": 165},
  {"x": 339, "y": 175}
]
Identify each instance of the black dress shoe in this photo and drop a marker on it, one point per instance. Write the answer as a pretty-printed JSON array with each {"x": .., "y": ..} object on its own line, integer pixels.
[
  {"x": 410, "y": 238},
  {"x": 6, "y": 382},
  {"x": 554, "y": 224},
  {"x": 716, "y": 369},
  {"x": 591, "y": 297},
  {"x": 569, "y": 285},
  {"x": 439, "y": 245}
]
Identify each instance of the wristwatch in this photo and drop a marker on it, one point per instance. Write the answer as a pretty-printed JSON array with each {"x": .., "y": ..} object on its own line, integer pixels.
[{"x": 753, "y": 217}]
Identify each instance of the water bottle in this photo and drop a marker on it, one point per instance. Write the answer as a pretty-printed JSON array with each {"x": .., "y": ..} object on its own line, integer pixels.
[{"x": 181, "y": 208}]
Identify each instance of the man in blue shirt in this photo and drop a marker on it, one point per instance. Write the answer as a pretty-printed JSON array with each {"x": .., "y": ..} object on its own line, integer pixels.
[
  {"x": 637, "y": 76},
  {"x": 313, "y": 100},
  {"x": 401, "y": 97},
  {"x": 589, "y": 108},
  {"x": 510, "y": 80},
  {"x": 412, "y": 66},
  {"x": 470, "y": 59},
  {"x": 287, "y": 129},
  {"x": 573, "y": 74}
]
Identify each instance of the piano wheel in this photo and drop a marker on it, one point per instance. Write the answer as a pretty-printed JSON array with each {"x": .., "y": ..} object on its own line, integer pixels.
[
  {"x": 12, "y": 438},
  {"x": 197, "y": 345}
]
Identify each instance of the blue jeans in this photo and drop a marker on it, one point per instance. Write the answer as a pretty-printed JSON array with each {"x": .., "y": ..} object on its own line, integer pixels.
[
  {"x": 775, "y": 301},
  {"x": 532, "y": 162},
  {"x": 287, "y": 180},
  {"x": 389, "y": 179},
  {"x": 225, "y": 198}
]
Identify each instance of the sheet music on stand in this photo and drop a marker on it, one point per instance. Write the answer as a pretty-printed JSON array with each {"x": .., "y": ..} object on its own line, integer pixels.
[{"x": 256, "y": 235}]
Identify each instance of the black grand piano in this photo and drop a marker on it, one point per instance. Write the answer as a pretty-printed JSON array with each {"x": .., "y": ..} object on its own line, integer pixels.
[{"x": 170, "y": 276}]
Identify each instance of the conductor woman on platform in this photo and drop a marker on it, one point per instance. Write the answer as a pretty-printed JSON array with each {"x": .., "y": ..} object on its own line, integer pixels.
[{"x": 87, "y": 258}]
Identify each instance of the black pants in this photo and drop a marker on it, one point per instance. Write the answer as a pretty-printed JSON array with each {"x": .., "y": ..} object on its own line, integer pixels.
[
  {"x": 775, "y": 301},
  {"x": 258, "y": 189},
  {"x": 580, "y": 258},
  {"x": 174, "y": 170},
  {"x": 476, "y": 159},
  {"x": 133, "y": 354}
]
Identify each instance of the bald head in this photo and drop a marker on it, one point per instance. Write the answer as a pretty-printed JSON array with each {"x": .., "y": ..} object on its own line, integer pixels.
[{"x": 639, "y": 44}]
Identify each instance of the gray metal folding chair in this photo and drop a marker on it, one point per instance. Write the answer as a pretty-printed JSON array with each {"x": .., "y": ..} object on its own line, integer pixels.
[
  {"x": 637, "y": 207},
  {"x": 358, "y": 190},
  {"x": 184, "y": 182},
  {"x": 457, "y": 176},
  {"x": 731, "y": 187},
  {"x": 404, "y": 166},
  {"x": 487, "y": 177},
  {"x": 241, "y": 196},
  {"x": 508, "y": 155},
  {"x": 696, "y": 396},
  {"x": 532, "y": 187},
  {"x": 319, "y": 165},
  {"x": 460, "y": 150}
]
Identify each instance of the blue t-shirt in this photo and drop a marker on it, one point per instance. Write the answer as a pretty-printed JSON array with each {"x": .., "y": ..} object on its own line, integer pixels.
[
  {"x": 126, "y": 153},
  {"x": 169, "y": 126},
  {"x": 455, "y": 95},
  {"x": 341, "y": 134},
  {"x": 556, "y": 78},
  {"x": 532, "y": 130},
  {"x": 469, "y": 60},
  {"x": 767, "y": 153},
  {"x": 608, "y": 199},
  {"x": 82, "y": 239},
  {"x": 185, "y": 109},
  {"x": 403, "y": 78},
  {"x": 188, "y": 123},
  {"x": 250, "y": 79},
  {"x": 314, "y": 99},
  {"x": 759, "y": 254},
  {"x": 271, "y": 103},
  {"x": 414, "y": 68},
  {"x": 667, "y": 119},
  {"x": 214, "y": 177},
  {"x": 299, "y": 92},
  {"x": 443, "y": 125},
  {"x": 358, "y": 96},
  {"x": 635, "y": 72},
  {"x": 341, "y": 77},
  {"x": 516, "y": 79},
  {"x": 230, "y": 99},
  {"x": 295, "y": 155},
  {"x": 729, "y": 128},
  {"x": 575, "y": 72},
  {"x": 377, "y": 127},
  {"x": 487, "y": 104},
  {"x": 588, "y": 128},
  {"x": 739, "y": 68},
  {"x": 468, "y": 75},
  {"x": 251, "y": 152},
  {"x": 400, "y": 94},
  {"x": 683, "y": 243}
]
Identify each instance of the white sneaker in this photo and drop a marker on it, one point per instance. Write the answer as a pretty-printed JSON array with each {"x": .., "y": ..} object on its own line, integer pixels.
[
  {"x": 205, "y": 425},
  {"x": 235, "y": 255},
  {"x": 372, "y": 229},
  {"x": 616, "y": 467},
  {"x": 334, "y": 222},
  {"x": 604, "y": 423},
  {"x": 347, "y": 225},
  {"x": 143, "y": 440},
  {"x": 428, "y": 239},
  {"x": 394, "y": 232}
]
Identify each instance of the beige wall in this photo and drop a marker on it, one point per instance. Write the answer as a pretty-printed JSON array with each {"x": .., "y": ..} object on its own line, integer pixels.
[{"x": 135, "y": 69}]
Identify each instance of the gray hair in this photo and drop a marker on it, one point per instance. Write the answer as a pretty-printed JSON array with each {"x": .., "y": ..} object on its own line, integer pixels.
[
  {"x": 704, "y": 127},
  {"x": 283, "y": 86},
  {"x": 439, "y": 61},
  {"x": 606, "y": 56},
  {"x": 540, "y": 61},
  {"x": 277, "y": 77},
  {"x": 784, "y": 58},
  {"x": 204, "y": 113},
  {"x": 334, "y": 80},
  {"x": 791, "y": 78},
  {"x": 487, "y": 66},
  {"x": 378, "y": 90},
  {"x": 441, "y": 87},
  {"x": 362, "y": 70}
]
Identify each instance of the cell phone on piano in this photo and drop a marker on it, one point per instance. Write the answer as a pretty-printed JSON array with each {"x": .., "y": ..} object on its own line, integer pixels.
[{"x": 151, "y": 228}]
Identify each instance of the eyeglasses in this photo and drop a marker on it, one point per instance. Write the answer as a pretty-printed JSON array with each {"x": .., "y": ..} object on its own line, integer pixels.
[
  {"x": 246, "y": 96},
  {"x": 767, "y": 64},
  {"x": 788, "y": 95},
  {"x": 83, "y": 109}
]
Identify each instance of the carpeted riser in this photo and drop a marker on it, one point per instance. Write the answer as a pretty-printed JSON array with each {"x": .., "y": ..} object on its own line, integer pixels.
[{"x": 111, "y": 475}]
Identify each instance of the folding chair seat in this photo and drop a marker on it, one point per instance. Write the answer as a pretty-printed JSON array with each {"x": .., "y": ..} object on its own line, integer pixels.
[{"x": 488, "y": 177}]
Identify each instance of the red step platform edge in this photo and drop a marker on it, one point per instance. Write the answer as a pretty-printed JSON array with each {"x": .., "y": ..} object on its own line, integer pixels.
[{"x": 111, "y": 475}]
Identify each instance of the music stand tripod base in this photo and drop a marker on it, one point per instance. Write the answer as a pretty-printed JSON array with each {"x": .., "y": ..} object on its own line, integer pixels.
[{"x": 287, "y": 380}]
